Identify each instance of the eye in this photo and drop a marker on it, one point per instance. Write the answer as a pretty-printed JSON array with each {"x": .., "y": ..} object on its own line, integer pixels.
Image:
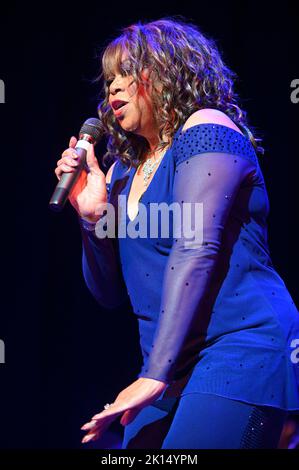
[
  {"x": 126, "y": 67},
  {"x": 109, "y": 81}
]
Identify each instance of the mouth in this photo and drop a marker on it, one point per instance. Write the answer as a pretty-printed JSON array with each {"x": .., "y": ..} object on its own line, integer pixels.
[
  {"x": 118, "y": 112},
  {"x": 118, "y": 106}
]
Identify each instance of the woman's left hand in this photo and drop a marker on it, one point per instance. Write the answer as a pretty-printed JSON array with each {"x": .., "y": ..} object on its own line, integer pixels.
[{"x": 129, "y": 402}]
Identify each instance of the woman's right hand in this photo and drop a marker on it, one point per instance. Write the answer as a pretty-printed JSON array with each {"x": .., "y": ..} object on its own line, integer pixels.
[{"x": 89, "y": 194}]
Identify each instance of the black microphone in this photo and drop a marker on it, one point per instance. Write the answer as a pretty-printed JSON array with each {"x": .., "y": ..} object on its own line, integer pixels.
[{"x": 90, "y": 133}]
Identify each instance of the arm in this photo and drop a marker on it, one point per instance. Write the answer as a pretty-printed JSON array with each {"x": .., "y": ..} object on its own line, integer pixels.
[
  {"x": 213, "y": 179},
  {"x": 100, "y": 265}
]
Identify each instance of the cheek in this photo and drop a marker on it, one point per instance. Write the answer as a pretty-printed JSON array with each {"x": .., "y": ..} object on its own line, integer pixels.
[
  {"x": 132, "y": 88},
  {"x": 144, "y": 99},
  {"x": 140, "y": 98}
]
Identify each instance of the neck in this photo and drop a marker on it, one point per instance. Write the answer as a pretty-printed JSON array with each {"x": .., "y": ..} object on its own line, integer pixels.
[
  {"x": 152, "y": 152},
  {"x": 153, "y": 140}
]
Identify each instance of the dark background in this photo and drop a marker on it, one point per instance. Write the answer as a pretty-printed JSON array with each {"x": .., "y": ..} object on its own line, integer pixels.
[{"x": 65, "y": 355}]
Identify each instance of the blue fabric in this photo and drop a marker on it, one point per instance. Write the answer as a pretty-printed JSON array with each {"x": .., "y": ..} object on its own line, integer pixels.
[
  {"x": 101, "y": 269},
  {"x": 204, "y": 421},
  {"x": 218, "y": 318}
]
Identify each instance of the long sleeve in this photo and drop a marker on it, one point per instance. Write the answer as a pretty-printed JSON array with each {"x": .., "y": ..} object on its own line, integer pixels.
[
  {"x": 210, "y": 180},
  {"x": 101, "y": 269}
]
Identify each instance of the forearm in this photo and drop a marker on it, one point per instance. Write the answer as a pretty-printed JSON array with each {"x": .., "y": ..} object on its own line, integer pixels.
[
  {"x": 101, "y": 269},
  {"x": 190, "y": 281},
  {"x": 185, "y": 307}
]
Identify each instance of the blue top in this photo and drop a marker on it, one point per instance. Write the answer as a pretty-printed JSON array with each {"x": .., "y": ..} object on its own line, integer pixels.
[{"x": 214, "y": 315}]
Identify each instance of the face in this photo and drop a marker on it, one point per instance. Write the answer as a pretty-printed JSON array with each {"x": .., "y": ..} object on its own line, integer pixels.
[{"x": 132, "y": 105}]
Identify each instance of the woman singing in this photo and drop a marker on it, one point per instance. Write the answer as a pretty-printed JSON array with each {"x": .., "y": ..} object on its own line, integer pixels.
[{"x": 218, "y": 327}]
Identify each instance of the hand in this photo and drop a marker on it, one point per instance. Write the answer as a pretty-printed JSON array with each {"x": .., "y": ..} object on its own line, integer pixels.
[
  {"x": 129, "y": 402},
  {"x": 89, "y": 194}
]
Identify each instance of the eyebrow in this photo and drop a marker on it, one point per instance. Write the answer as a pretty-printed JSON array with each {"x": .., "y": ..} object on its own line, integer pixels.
[{"x": 124, "y": 61}]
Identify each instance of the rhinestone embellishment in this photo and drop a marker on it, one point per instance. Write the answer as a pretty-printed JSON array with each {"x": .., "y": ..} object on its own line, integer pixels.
[{"x": 148, "y": 168}]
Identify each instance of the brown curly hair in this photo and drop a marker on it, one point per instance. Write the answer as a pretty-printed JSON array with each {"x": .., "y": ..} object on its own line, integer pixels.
[{"x": 192, "y": 74}]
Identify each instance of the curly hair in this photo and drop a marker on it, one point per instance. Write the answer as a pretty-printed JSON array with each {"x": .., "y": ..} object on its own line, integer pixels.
[{"x": 191, "y": 71}]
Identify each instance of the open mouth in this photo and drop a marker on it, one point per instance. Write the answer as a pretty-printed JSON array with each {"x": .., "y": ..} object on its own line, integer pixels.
[{"x": 118, "y": 104}]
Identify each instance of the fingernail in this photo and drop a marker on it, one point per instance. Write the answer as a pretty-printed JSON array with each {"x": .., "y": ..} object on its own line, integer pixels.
[{"x": 88, "y": 438}]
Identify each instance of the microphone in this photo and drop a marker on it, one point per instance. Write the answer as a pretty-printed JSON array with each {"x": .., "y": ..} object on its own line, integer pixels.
[{"x": 90, "y": 133}]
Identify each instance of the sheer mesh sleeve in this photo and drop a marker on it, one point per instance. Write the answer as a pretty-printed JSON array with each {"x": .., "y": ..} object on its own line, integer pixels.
[
  {"x": 213, "y": 179},
  {"x": 101, "y": 268}
]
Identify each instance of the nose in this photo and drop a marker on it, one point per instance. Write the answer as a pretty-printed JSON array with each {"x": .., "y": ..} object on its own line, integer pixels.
[{"x": 116, "y": 86}]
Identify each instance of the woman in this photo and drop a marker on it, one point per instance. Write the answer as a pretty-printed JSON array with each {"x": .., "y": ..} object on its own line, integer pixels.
[{"x": 217, "y": 325}]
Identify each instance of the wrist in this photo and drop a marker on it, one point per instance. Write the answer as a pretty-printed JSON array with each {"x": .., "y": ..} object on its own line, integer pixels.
[
  {"x": 90, "y": 223},
  {"x": 86, "y": 225},
  {"x": 98, "y": 214},
  {"x": 89, "y": 220}
]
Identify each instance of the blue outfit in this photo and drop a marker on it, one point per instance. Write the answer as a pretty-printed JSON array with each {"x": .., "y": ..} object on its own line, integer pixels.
[
  {"x": 214, "y": 315},
  {"x": 204, "y": 421}
]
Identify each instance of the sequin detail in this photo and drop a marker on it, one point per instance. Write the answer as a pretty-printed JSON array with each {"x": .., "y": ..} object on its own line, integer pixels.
[
  {"x": 263, "y": 428},
  {"x": 254, "y": 432},
  {"x": 203, "y": 138}
]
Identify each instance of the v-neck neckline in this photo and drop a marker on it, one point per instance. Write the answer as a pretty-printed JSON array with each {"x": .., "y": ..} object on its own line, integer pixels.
[{"x": 131, "y": 182}]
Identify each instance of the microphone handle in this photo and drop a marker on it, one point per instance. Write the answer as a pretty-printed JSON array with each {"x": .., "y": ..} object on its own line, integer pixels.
[{"x": 68, "y": 180}]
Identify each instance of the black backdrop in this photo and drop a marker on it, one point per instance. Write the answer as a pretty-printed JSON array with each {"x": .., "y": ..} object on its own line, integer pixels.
[{"x": 66, "y": 356}]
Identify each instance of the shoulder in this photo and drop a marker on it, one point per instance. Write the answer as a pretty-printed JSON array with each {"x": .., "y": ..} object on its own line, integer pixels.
[
  {"x": 209, "y": 116},
  {"x": 208, "y": 131},
  {"x": 109, "y": 172}
]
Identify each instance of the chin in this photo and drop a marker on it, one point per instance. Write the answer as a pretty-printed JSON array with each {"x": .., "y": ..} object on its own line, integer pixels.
[{"x": 129, "y": 127}]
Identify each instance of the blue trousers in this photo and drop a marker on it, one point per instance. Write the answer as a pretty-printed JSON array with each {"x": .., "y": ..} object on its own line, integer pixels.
[{"x": 204, "y": 421}]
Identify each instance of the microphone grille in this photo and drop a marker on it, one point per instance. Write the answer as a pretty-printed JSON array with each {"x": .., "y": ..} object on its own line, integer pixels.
[{"x": 93, "y": 127}]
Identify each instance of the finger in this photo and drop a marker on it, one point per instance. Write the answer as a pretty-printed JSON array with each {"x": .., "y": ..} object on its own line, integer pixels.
[
  {"x": 97, "y": 431},
  {"x": 90, "y": 425},
  {"x": 69, "y": 160},
  {"x": 91, "y": 159},
  {"x": 107, "y": 414},
  {"x": 105, "y": 421},
  {"x": 89, "y": 437},
  {"x": 69, "y": 153},
  {"x": 96, "y": 436},
  {"x": 58, "y": 172},
  {"x": 64, "y": 169},
  {"x": 73, "y": 142}
]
